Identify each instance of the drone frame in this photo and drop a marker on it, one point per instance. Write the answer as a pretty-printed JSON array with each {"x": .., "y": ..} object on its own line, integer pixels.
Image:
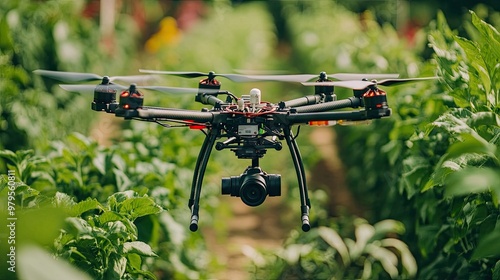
[
  {"x": 250, "y": 125},
  {"x": 226, "y": 120}
]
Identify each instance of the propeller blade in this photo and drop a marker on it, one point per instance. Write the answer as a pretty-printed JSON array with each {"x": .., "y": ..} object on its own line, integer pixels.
[
  {"x": 164, "y": 89},
  {"x": 235, "y": 77},
  {"x": 89, "y": 88},
  {"x": 306, "y": 77},
  {"x": 134, "y": 78},
  {"x": 71, "y": 77},
  {"x": 68, "y": 76},
  {"x": 283, "y": 78},
  {"x": 279, "y": 78},
  {"x": 184, "y": 74},
  {"x": 356, "y": 76},
  {"x": 344, "y": 84},
  {"x": 232, "y": 77},
  {"x": 390, "y": 82},
  {"x": 364, "y": 84},
  {"x": 176, "y": 90}
]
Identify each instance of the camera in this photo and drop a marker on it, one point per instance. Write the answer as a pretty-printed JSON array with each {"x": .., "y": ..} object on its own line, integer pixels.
[{"x": 252, "y": 186}]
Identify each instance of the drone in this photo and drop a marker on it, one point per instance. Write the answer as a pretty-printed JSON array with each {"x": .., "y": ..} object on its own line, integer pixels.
[{"x": 246, "y": 125}]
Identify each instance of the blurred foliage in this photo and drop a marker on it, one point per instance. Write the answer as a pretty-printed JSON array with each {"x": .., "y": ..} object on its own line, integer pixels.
[
  {"x": 434, "y": 164},
  {"x": 427, "y": 176},
  {"x": 47, "y": 36},
  {"x": 360, "y": 251},
  {"x": 110, "y": 200},
  {"x": 439, "y": 138}
]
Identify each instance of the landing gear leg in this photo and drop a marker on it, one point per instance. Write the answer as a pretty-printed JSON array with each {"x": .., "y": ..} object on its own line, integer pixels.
[
  {"x": 305, "y": 204},
  {"x": 199, "y": 173}
]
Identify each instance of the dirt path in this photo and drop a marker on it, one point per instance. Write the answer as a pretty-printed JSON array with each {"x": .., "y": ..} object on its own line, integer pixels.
[{"x": 249, "y": 228}]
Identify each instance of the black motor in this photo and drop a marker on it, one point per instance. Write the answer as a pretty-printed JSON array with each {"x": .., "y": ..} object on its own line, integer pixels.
[{"x": 104, "y": 97}]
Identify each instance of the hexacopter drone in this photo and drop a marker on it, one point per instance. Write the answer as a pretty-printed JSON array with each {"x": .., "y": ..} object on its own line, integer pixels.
[{"x": 247, "y": 125}]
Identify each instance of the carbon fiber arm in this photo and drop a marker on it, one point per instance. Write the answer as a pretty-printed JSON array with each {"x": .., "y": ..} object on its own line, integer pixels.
[
  {"x": 352, "y": 102},
  {"x": 191, "y": 115}
]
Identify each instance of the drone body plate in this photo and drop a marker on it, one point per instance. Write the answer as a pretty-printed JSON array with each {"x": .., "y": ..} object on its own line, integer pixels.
[{"x": 248, "y": 129}]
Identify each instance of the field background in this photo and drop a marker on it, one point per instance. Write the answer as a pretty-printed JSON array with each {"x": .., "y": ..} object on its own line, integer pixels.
[{"x": 412, "y": 196}]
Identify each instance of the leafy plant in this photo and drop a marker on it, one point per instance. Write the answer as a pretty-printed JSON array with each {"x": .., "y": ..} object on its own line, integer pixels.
[
  {"x": 373, "y": 253},
  {"x": 467, "y": 170},
  {"x": 52, "y": 35},
  {"x": 434, "y": 164},
  {"x": 106, "y": 245},
  {"x": 101, "y": 240},
  {"x": 112, "y": 205}
]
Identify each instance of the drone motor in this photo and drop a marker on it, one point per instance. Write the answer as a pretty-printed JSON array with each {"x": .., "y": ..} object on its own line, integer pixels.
[
  {"x": 375, "y": 102},
  {"x": 131, "y": 98},
  {"x": 104, "y": 97},
  {"x": 210, "y": 84}
]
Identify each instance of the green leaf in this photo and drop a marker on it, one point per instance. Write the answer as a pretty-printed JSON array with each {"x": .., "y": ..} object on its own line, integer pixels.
[
  {"x": 333, "y": 239},
  {"x": 40, "y": 225},
  {"x": 116, "y": 199},
  {"x": 415, "y": 169},
  {"x": 144, "y": 273},
  {"x": 36, "y": 263},
  {"x": 6, "y": 42},
  {"x": 138, "y": 247},
  {"x": 439, "y": 175},
  {"x": 117, "y": 229},
  {"x": 84, "y": 206},
  {"x": 139, "y": 206},
  {"x": 388, "y": 226},
  {"x": 77, "y": 226},
  {"x": 496, "y": 271},
  {"x": 78, "y": 139},
  {"x": 484, "y": 118},
  {"x": 134, "y": 260},
  {"x": 25, "y": 192},
  {"x": 490, "y": 45},
  {"x": 407, "y": 260},
  {"x": 471, "y": 143},
  {"x": 9, "y": 156},
  {"x": 109, "y": 216},
  {"x": 473, "y": 180},
  {"x": 478, "y": 75},
  {"x": 488, "y": 246},
  {"x": 387, "y": 258},
  {"x": 123, "y": 182},
  {"x": 63, "y": 200},
  {"x": 363, "y": 232},
  {"x": 100, "y": 163},
  {"x": 293, "y": 252},
  {"x": 117, "y": 266}
]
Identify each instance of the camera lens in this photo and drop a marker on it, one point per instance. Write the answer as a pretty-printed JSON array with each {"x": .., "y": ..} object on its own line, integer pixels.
[
  {"x": 253, "y": 190},
  {"x": 231, "y": 185},
  {"x": 226, "y": 185},
  {"x": 274, "y": 184}
]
